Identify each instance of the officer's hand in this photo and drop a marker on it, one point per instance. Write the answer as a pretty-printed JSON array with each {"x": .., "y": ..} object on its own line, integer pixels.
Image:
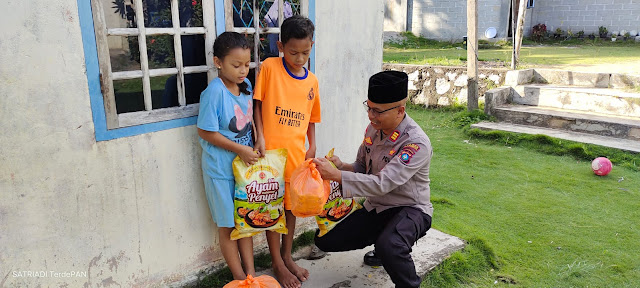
[
  {"x": 336, "y": 161},
  {"x": 327, "y": 171}
]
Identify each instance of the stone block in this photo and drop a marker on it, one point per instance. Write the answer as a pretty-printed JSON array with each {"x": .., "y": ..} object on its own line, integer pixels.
[
  {"x": 563, "y": 77},
  {"x": 624, "y": 81},
  {"x": 461, "y": 81},
  {"x": 518, "y": 77},
  {"x": 442, "y": 86},
  {"x": 444, "y": 101}
]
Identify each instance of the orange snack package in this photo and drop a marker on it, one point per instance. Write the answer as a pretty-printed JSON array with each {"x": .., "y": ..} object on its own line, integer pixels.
[
  {"x": 308, "y": 191},
  {"x": 259, "y": 195},
  {"x": 263, "y": 281},
  {"x": 336, "y": 208}
]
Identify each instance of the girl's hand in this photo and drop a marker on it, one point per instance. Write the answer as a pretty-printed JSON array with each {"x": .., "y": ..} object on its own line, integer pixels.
[
  {"x": 259, "y": 146},
  {"x": 336, "y": 161},
  {"x": 248, "y": 156}
]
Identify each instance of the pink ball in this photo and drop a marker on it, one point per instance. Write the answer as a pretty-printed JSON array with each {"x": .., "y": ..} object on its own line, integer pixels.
[{"x": 601, "y": 166}]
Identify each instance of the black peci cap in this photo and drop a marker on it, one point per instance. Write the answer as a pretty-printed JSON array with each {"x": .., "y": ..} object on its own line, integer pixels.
[{"x": 388, "y": 87}]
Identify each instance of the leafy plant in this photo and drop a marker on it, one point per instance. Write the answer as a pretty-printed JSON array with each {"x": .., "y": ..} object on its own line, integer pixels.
[
  {"x": 538, "y": 32},
  {"x": 580, "y": 34},
  {"x": 119, "y": 7},
  {"x": 602, "y": 31}
]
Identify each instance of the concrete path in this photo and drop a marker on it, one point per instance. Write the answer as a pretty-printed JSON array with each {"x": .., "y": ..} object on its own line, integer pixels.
[
  {"x": 346, "y": 269},
  {"x": 622, "y": 144}
]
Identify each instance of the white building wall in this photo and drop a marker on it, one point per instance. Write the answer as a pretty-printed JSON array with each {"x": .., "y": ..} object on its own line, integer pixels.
[
  {"x": 447, "y": 19},
  {"x": 349, "y": 51},
  {"x": 586, "y": 15},
  {"x": 395, "y": 15},
  {"x": 131, "y": 211}
]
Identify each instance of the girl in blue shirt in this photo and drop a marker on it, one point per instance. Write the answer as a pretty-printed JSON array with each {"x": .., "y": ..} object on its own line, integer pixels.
[{"x": 225, "y": 130}]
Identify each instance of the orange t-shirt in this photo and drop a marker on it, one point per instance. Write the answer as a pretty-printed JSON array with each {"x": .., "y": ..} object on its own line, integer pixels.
[{"x": 289, "y": 104}]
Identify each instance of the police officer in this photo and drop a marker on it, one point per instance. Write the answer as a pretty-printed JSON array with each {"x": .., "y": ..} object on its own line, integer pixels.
[{"x": 392, "y": 171}]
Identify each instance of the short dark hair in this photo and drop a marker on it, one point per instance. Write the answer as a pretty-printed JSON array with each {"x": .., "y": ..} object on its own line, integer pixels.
[{"x": 298, "y": 27}]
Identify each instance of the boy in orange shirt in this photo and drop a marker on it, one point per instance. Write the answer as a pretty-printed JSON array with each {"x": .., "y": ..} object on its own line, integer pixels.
[{"x": 286, "y": 110}]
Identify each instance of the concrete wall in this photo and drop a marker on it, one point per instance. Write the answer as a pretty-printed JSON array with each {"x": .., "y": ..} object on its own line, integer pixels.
[
  {"x": 586, "y": 15},
  {"x": 447, "y": 20},
  {"x": 351, "y": 47},
  {"x": 131, "y": 211},
  {"x": 395, "y": 15},
  {"x": 433, "y": 86}
]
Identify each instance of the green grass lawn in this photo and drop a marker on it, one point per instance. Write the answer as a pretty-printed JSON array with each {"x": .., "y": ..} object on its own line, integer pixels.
[
  {"x": 545, "y": 220},
  {"x": 532, "y": 219},
  {"x": 417, "y": 50}
]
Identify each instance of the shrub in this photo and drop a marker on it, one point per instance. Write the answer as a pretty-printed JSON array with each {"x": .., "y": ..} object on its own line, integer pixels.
[{"x": 538, "y": 32}]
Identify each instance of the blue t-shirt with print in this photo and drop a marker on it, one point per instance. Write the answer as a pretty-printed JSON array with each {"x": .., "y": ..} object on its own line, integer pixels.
[{"x": 231, "y": 116}]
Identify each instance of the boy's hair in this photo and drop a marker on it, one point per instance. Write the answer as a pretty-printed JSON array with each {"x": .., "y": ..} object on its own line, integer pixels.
[
  {"x": 226, "y": 42},
  {"x": 297, "y": 27}
]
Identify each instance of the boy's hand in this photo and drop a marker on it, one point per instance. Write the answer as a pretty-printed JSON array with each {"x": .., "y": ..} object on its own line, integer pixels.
[
  {"x": 336, "y": 161},
  {"x": 311, "y": 153},
  {"x": 248, "y": 156},
  {"x": 260, "y": 146}
]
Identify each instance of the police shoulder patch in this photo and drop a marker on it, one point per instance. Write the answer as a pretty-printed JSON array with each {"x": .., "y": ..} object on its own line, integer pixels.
[
  {"x": 394, "y": 136},
  {"x": 368, "y": 141}
]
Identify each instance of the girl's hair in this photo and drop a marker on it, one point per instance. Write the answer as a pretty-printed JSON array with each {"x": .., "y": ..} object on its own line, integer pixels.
[{"x": 226, "y": 42}]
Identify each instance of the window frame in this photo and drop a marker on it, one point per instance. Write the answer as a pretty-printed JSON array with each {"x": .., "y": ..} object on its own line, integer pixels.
[{"x": 187, "y": 115}]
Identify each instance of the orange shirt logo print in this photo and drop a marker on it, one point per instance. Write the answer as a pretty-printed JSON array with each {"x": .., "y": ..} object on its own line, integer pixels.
[{"x": 311, "y": 95}]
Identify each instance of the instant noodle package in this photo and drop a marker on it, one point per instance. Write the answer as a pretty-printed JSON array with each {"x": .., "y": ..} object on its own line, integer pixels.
[
  {"x": 336, "y": 207},
  {"x": 259, "y": 195},
  {"x": 308, "y": 191}
]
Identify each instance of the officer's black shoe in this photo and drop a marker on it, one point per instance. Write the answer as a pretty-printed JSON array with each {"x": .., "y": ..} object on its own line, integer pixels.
[{"x": 371, "y": 259}]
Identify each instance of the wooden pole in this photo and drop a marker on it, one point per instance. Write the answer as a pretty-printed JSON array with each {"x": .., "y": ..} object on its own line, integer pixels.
[
  {"x": 513, "y": 34},
  {"x": 522, "y": 10},
  {"x": 472, "y": 54}
]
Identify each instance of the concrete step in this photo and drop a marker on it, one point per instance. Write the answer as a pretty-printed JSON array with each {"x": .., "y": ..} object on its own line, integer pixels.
[
  {"x": 584, "y": 122},
  {"x": 346, "y": 269},
  {"x": 622, "y": 144},
  {"x": 590, "y": 99}
]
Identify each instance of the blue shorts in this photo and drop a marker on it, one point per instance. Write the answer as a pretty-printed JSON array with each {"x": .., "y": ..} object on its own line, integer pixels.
[{"x": 220, "y": 194}]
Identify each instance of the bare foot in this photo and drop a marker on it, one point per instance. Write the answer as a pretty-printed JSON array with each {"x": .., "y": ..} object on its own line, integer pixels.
[
  {"x": 286, "y": 279},
  {"x": 300, "y": 272}
]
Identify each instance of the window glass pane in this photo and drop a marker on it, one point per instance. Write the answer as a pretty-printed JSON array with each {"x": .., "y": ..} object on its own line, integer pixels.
[
  {"x": 193, "y": 53},
  {"x": 157, "y": 13},
  {"x": 242, "y": 13},
  {"x": 124, "y": 53},
  {"x": 164, "y": 91},
  {"x": 190, "y": 13},
  {"x": 118, "y": 13},
  {"x": 129, "y": 96},
  {"x": 250, "y": 40},
  {"x": 268, "y": 46},
  {"x": 160, "y": 51},
  {"x": 252, "y": 77},
  {"x": 194, "y": 84},
  {"x": 268, "y": 13},
  {"x": 295, "y": 7}
]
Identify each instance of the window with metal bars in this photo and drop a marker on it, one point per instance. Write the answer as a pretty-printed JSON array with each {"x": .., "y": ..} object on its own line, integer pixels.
[
  {"x": 260, "y": 21},
  {"x": 155, "y": 58},
  {"x": 149, "y": 60}
]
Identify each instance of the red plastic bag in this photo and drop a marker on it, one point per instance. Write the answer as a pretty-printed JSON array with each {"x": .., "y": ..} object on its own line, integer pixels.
[
  {"x": 263, "y": 281},
  {"x": 309, "y": 192}
]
